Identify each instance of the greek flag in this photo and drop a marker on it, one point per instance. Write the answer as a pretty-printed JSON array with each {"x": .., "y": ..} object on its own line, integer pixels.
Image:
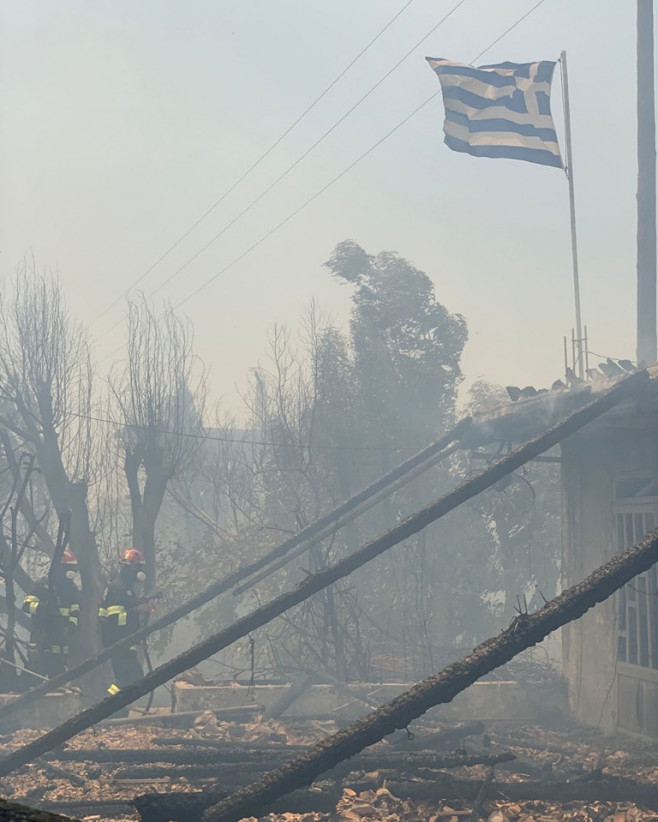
[{"x": 502, "y": 110}]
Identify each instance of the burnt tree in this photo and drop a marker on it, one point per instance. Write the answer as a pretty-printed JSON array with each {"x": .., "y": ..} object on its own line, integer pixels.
[
  {"x": 161, "y": 395},
  {"x": 45, "y": 388}
]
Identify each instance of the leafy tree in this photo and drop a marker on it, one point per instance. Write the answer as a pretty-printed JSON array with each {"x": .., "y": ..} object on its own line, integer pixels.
[
  {"x": 406, "y": 345},
  {"x": 406, "y": 348}
]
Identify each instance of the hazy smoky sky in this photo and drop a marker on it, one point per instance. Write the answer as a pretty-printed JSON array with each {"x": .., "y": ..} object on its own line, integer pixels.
[{"x": 123, "y": 122}]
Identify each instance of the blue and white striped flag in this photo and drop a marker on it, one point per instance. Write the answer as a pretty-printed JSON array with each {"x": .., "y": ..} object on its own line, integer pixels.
[{"x": 501, "y": 110}]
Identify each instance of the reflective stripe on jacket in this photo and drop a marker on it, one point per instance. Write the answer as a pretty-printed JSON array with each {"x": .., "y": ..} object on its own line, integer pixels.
[
  {"x": 53, "y": 617},
  {"x": 117, "y": 615}
]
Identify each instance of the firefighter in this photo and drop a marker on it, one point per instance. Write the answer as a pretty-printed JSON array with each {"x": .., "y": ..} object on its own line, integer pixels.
[
  {"x": 121, "y": 615},
  {"x": 53, "y": 617}
]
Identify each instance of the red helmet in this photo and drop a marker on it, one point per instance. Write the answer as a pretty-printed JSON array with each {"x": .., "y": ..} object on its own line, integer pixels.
[
  {"x": 69, "y": 558},
  {"x": 131, "y": 556}
]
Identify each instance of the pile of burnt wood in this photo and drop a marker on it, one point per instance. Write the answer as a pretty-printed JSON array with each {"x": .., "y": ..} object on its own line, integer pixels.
[{"x": 450, "y": 762}]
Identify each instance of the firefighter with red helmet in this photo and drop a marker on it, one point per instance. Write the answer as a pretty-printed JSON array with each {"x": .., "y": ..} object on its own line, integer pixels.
[
  {"x": 121, "y": 615},
  {"x": 53, "y": 606}
]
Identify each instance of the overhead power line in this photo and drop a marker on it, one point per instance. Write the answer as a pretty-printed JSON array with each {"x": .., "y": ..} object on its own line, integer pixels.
[
  {"x": 311, "y": 148},
  {"x": 235, "y": 440},
  {"x": 255, "y": 165},
  {"x": 299, "y": 159},
  {"x": 507, "y": 31},
  {"x": 352, "y": 165},
  {"x": 306, "y": 203},
  {"x": 346, "y": 170}
]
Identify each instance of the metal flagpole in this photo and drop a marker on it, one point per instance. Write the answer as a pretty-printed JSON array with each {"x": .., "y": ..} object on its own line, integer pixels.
[
  {"x": 568, "y": 168},
  {"x": 646, "y": 187}
]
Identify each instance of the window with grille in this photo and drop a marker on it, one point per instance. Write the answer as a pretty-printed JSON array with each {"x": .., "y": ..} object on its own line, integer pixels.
[{"x": 635, "y": 515}]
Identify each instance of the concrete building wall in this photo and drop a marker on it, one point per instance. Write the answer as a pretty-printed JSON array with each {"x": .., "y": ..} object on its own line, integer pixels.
[
  {"x": 594, "y": 462},
  {"x": 589, "y": 644}
]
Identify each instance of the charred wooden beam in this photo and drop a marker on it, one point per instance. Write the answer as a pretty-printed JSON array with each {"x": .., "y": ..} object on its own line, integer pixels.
[
  {"x": 527, "y": 767},
  {"x": 85, "y": 807},
  {"x": 606, "y": 790},
  {"x": 447, "y": 737},
  {"x": 225, "y": 775},
  {"x": 55, "y": 772},
  {"x": 441, "y": 740},
  {"x": 236, "y": 772},
  {"x": 11, "y": 812},
  {"x": 175, "y": 756},
  {"x": 190, "y": 807},
  {"x": 185, "y": 719},
  {"x": 525, "y": 631},
  {"x": 408, "y": 527}
]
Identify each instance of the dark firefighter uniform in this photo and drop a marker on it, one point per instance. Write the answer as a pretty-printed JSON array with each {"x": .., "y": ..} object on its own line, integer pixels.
[
  {"x": 120, "y": 615},
  {"x": 53, "y": 620}
]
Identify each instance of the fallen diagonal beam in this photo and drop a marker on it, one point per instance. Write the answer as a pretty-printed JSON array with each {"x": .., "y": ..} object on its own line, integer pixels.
[
  {"x": 525, "y": 631},
  {"x": 188, "y": 807},
  {"x": 317, "y": 582},
  {"x": 446, "y": 739},
  {"x": 606, "y": 790},
  {"x": 232, "y": 775},
  {"x": 318, "y": 530},
  {"x": 186, "y": 719},
  {"x": 12, "y": 812},
  {"x": 411, "y": 473},
  {"x": 258, "y": 759}
]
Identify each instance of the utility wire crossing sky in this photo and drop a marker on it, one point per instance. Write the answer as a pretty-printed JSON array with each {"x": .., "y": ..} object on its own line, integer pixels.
[{"x": 123, "y": 124}]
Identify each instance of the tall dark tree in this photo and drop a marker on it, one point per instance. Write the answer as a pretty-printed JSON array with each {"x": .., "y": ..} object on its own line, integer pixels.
[
  {"x": 161, "y": 395},
  {"x": 407, "y": 346},
  {"x": 45, "y": 391}
]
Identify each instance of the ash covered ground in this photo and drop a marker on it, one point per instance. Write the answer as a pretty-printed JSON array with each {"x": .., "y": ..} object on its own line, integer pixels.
[{"x": 401, "y": 779}]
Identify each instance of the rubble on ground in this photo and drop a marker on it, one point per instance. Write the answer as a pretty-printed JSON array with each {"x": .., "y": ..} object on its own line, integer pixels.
[{"x": 95, "y": 776}]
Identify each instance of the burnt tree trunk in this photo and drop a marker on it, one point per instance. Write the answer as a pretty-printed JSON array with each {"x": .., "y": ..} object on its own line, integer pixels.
[
  {"x": 146, "y": 500},
  {"x": 70, "y": 497}
]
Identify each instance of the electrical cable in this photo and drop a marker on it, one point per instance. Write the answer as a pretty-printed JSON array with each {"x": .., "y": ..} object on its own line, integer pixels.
[
  {"x": 305, "y": 204},
  {"x": 340, "y": 174},
  {"x": 210, "y": 437},
  {"x": 507, "y": 31},
  {"x": 290, "y": 168},
  {"x": 608, "y": 357},
  {"x": 310, "y": 149},
  {"x": 255, "y": 165},
  {"x": 354, "y": 163},
  {"x": 292, "y": 214}
]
